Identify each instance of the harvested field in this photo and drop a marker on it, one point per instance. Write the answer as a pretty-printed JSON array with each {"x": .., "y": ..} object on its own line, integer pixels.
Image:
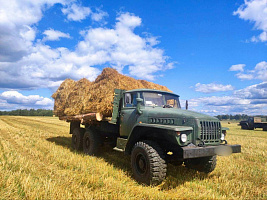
[
  {"x": 73, "y": 98},
  {"x": 37, "y": 162}
]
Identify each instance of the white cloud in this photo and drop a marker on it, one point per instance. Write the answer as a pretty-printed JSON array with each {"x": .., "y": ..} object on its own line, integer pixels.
[
  {"x": 122, "y": 47},
  {"x": 255, "y": 11},
  {"x": 99, "y": 15},
  {"x": 223, "y": 100},
  {"x": 263, "y": 36},
  {"x": 19, "y": 17},
  {"x": 14, "y": 100},
  {"x": 244, "y": 76},
  {"x": 259, "y": 72},
  {"x": 260, "y": 38},
  {"x": 128, "y": 20},
  {"x": 258, "y": 91},
  {"x": 251, "y": 100},
  {"x": 37, "y": 65},
  {"x": 44, "y": 102},
  {"x": 212, "y": 87},
  {"x": 238, "y": 67},
  {"x": 76, "y": 12},
  {"x": 215, "y": 105},
  {"x": 52, "y": 35}
]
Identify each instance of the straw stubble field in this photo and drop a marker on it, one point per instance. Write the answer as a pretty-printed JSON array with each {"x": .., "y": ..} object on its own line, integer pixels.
[{"x": 37, "y": 162}]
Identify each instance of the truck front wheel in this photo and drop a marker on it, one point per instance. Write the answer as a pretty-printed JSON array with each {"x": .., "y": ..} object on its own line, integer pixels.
[
  {"x": 91, "y": 143},
  {"x": 245, "y": 127},
  {"x": 148, "y": 163},
  {"x": 205, "y": 164},
  {"x": 77, "y": 139}
]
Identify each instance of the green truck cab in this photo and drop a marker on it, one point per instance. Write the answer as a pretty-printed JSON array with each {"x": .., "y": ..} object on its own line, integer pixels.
[{"x": 150, "y": 126}]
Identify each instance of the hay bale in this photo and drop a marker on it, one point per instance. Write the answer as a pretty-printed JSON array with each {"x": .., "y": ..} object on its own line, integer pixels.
[
  {"x": 155, "y": 86},
  {"x": 61, "y": 96},
  {"x": 96, "y": 97},
  {"x": 78, "y": 98}
]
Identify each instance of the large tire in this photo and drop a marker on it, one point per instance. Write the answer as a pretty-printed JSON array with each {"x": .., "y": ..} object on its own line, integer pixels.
[
  {"x": 245, "y": 127},
  {"x": 77, "y": 139},
  {"x": 91, "y": 143},
  {"x": 264, "y": 128},
  {"x": 205, "y": 164},
  {"x": 148, "y": 163}
]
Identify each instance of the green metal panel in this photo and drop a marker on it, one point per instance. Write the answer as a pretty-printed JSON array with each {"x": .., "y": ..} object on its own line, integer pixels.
[
  {"x": 167, "y": 127},
  {"x": 121, "y": 143},
  {"x": 116, "y": 103},
  {"x": 225, "y": 129}
]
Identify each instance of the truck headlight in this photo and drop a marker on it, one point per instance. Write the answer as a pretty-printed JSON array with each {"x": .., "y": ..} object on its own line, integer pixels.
[
  {"x": 183, "y": 137},
  {"x": 223, "y": 136}
]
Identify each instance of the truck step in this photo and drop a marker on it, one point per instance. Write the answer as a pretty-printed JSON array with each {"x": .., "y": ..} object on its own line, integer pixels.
[{"x": 117, "y": 149}]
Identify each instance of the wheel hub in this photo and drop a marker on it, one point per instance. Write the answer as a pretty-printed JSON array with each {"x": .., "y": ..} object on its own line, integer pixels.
[
  {"x": 87, "y": 142},
  {"x": 141, "y": 164}
]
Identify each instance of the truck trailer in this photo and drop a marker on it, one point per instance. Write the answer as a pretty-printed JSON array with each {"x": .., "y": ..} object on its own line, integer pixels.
[{"x": 150, "y": 126}]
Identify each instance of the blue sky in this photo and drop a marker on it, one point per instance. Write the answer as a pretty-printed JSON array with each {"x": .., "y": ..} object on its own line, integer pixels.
[{"x": 212, "y": 53}]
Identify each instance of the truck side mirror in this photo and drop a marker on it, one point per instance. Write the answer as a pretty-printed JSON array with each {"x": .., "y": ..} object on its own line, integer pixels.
[
  {"x": 186, "y": 105},
  {"x": 138, "y": 106}
]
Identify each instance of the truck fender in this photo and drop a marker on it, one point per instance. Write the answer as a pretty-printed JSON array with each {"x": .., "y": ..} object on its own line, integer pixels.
[{"x": 145, "y": 131}]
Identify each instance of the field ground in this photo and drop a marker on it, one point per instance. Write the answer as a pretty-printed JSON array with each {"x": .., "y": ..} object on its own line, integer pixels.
[{"x": 37, "y": 162}]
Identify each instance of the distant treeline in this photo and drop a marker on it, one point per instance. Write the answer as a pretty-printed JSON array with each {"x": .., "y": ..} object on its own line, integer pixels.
[
  {"x": 31, "y": 112},
  {"x": 232, "y": 117}
]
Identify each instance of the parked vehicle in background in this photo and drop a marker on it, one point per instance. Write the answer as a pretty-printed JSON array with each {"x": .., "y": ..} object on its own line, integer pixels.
[{"x": 254, "y": 122}]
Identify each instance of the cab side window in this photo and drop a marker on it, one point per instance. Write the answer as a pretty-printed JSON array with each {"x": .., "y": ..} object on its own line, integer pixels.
[{"x": 130, "y": 100}]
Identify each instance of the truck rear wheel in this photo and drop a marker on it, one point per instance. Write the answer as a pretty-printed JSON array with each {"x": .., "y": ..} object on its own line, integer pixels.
[
  {"x": 205, "y": 164},
  {"x": 91, "y": 143},
  {"x": 77, "y": 139},
  {"x": 148, "y": 163}
]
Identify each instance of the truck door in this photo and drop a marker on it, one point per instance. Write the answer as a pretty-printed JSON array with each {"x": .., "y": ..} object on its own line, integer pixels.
[{"x": 128, "y": 115}]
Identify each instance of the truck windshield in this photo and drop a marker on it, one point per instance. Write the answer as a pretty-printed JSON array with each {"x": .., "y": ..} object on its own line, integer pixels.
[{"x": 161, "y": 100}]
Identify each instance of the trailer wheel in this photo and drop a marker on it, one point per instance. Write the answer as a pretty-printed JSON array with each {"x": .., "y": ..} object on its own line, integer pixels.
[
  {"x": 77, "y": 139},
  {"x": 265, "y": 128},
  {"x": 205, "y": 164},
  {"x": 148, "y": 163},
  {"x": 91, "y": 143}
]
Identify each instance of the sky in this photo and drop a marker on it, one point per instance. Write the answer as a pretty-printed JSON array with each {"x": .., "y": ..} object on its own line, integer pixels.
[{"x": 211, "y": 53}]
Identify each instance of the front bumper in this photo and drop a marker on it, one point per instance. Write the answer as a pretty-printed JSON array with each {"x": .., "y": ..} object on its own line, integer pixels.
[{"x": 221, "y": 150}]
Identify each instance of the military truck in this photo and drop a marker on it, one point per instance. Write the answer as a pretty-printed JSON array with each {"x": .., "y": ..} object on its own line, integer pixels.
[
  {"x": 150, "y": 126},
  {"x": 254, "y": 122}
]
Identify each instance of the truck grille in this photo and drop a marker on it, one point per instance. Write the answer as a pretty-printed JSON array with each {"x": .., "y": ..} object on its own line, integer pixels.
[{"x": 210, "y": 131}]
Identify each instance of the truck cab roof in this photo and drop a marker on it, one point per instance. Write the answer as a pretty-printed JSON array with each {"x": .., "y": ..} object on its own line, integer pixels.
[{"x": 151, "y": 90}]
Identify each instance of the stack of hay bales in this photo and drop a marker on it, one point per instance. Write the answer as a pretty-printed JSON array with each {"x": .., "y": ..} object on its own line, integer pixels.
[{"x": 86, "y": 97}]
